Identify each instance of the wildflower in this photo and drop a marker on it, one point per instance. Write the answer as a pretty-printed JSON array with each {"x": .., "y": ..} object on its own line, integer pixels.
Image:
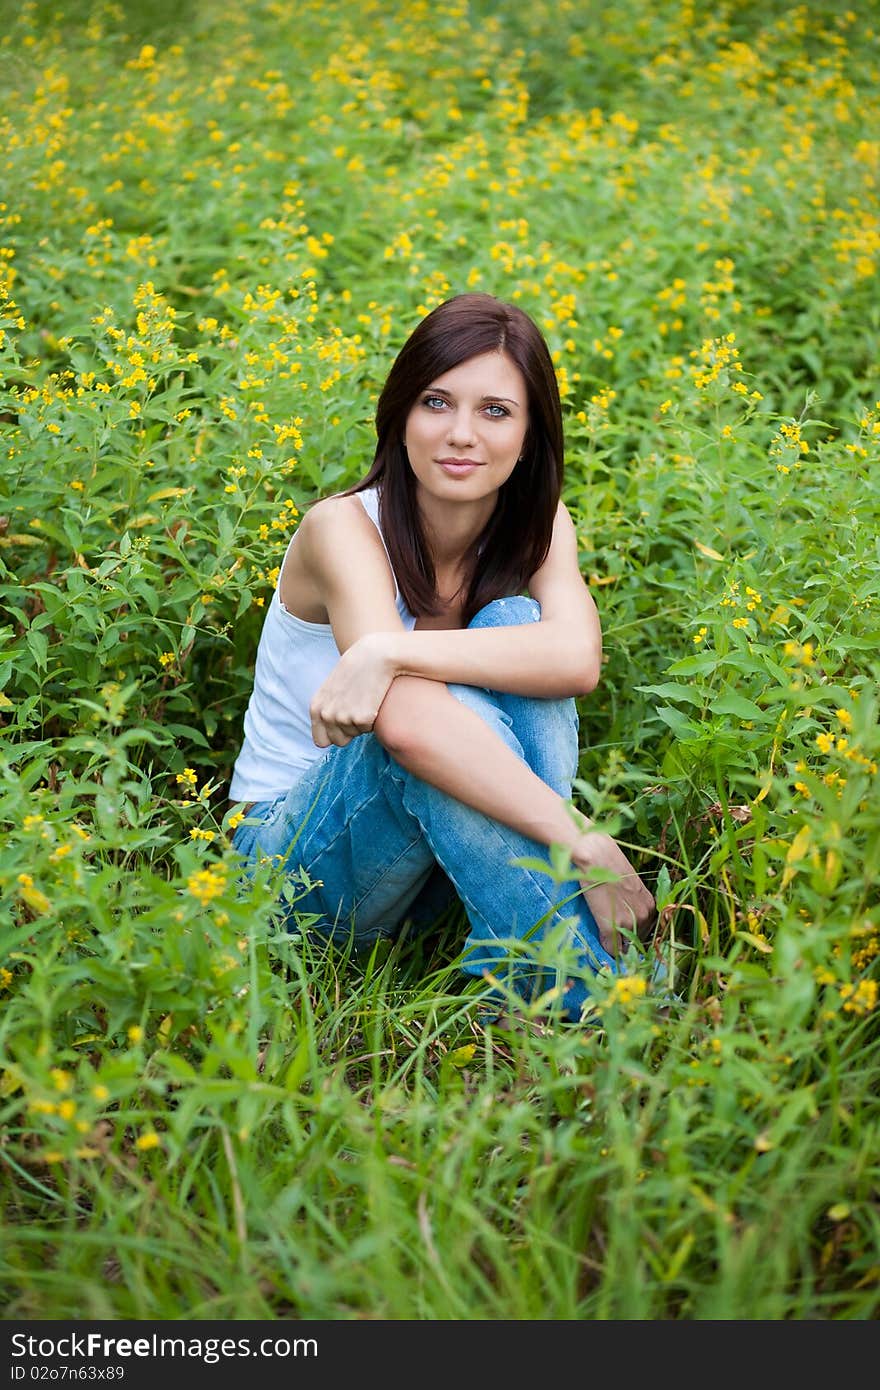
[
  {"x": 42, "y": 1107},
  {"x": 166, "y": 658},
  {"x": 207, "y": 884},
  {"x": 844, "y": 717},
  {"x": 135, "y": 1033},
  {"x": 805, "y": 654},
  {"x": 147, "y": 1140},
  {"x": 860, "y": 998},
  {"x": 34, "y": 897},
  {"x": 741, "y": 622},
  {"x": 235, "y": 820},
  {"x": 187, "y": 778},
  {"x": 626, "y": 989},
  {"x": 824, "y": 742},
  {"x": 700, "y": 636},
  {"x": 197, "y": 834}
]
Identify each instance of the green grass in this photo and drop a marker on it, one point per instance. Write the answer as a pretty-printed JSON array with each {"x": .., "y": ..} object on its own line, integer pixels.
[{"x": 217, "y": 225}]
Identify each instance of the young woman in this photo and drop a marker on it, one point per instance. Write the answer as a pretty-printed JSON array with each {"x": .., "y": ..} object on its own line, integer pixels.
[{"x": 413, "y": 714}]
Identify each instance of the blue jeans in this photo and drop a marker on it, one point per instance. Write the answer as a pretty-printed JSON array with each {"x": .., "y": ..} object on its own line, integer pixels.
[{"x": 371, "y": 835}]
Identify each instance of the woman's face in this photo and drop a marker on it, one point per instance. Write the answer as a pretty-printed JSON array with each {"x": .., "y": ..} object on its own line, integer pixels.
[{"x": 466, "y": 430}]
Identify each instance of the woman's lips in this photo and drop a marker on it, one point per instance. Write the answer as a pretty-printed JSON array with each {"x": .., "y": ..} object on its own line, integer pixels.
[{"x": 459, "y": 468}]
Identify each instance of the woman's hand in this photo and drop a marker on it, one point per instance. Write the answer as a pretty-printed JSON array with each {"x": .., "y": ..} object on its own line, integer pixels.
[
  {"x": 626, "y": 902},
  {"x": 348, "y": 702}
]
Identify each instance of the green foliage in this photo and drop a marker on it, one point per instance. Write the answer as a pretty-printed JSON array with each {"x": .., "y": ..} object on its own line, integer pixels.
[{"x": 220, "y": 223}]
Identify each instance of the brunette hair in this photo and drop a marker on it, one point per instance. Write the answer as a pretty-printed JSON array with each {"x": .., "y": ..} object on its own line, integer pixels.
[{"x": 516, "y": 538}]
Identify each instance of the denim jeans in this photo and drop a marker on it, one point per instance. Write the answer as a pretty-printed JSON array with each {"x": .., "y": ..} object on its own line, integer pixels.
[{"x": 371, "y": 835}]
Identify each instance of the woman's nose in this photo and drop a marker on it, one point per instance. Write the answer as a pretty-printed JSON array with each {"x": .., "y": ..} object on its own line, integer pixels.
[{"x": 461, "y": 428}]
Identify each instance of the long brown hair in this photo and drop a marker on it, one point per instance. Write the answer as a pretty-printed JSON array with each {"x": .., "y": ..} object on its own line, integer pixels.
[{"x": 516, "y": 538}]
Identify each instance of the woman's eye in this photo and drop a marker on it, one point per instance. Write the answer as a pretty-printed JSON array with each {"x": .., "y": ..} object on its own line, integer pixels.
[
  {"x": 497, "y": 412},
  {"x": 433, "y": 402}
]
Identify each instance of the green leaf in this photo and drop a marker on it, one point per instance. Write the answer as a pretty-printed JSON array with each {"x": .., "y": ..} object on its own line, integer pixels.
[
  {"x": 679, "y": 723},
  {"x": 187, "y": 731},
  {"x": 39, "y": 645},
  {"x": 693, "y": 695},
  {"x": 740, "y": 708}
]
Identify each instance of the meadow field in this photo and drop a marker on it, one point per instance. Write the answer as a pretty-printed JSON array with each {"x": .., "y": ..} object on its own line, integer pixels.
[{"x": 218, "y": 223}]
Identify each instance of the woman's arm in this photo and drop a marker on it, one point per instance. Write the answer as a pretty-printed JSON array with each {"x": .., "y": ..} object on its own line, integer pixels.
[
  {"x": 437, "y": 738},
  {"x": 562, "y": 654},
  {"x": 560, "y": 657},
  {"x": 421, "y": 724}
]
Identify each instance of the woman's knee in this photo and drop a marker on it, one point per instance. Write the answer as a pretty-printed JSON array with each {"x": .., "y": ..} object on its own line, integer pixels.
[
  {"x": 489, "y": 705},
  {"x": 508, "y": 612}
]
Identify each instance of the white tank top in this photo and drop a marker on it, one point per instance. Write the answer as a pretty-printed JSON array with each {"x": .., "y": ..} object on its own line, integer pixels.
[{"x": 293, "y": 659}]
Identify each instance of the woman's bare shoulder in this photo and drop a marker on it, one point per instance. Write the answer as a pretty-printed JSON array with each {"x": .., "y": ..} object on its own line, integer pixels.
[
  {"x": 339, "y": 510},
  {"x": 337, "y": 530},
  {"x": 333, "y": 521},
  {"x": 334, "y": 534}
]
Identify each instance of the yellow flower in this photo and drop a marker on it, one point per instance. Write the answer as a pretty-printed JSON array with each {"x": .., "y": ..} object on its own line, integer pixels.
[
  {"x": 135, "y": 1033},
  {"x": 626, "y": 989},
  {"x": 148, "y": 1140},
  {"x": 34, "y": 897},
  {"x": 861, "y": 998},
  {"x": 207, "y": 883}
]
